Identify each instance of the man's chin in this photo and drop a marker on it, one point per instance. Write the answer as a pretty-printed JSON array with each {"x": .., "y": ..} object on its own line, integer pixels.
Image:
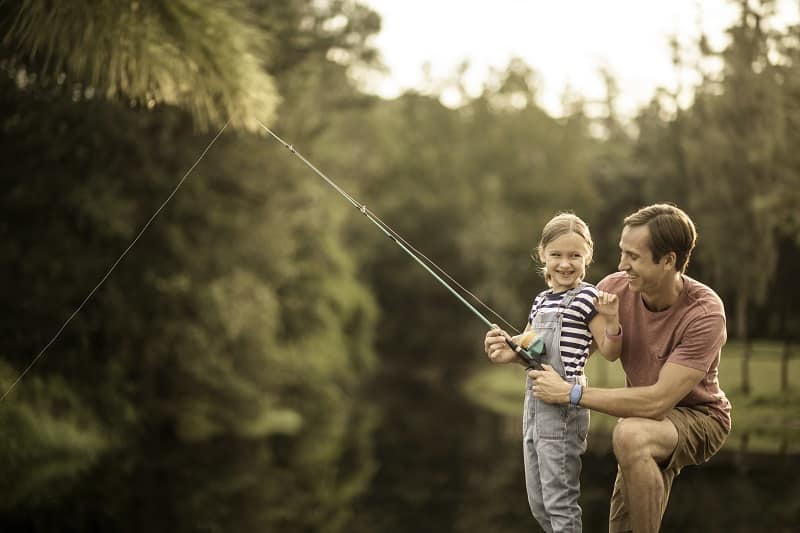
[{"x": 634, "y": 284}]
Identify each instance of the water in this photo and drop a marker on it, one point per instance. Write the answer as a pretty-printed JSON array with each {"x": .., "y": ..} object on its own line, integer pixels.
[{"x": 414, "y": 456}]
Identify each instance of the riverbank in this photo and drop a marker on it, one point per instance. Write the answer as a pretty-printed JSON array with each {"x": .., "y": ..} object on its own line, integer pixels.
[{"x": 765, "y": 420}]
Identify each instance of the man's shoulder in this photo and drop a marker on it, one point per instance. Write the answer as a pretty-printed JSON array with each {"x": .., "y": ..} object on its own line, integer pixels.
[
  {"x": 616, "y": 282},
  {"x": 704, "y": 296}
]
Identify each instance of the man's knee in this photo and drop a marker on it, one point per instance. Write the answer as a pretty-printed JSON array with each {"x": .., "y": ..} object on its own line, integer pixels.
[
  {"x": 629, "y": 441},
  {"x": 635, "y": 439}
]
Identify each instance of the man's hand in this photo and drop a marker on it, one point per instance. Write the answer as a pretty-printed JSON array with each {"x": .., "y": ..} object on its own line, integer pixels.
[
  {"x": 496, "y": 347},
  {"x": 548, "y": 385}
]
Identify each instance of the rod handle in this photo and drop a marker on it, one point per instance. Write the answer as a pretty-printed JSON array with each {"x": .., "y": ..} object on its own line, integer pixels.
[{"x": 530, "y": 359}]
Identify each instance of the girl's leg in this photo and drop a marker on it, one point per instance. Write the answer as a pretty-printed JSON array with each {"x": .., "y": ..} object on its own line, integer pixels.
[
  {"x": 560, "y": 446},
  {"x": 530, "y": 457}
]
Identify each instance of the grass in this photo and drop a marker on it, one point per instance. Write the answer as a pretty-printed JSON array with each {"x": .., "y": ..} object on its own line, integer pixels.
[{"x": 765, "y": 420}]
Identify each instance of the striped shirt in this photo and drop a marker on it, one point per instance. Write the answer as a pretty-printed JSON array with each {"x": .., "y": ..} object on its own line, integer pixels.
[{"x": 576, "y": 339}]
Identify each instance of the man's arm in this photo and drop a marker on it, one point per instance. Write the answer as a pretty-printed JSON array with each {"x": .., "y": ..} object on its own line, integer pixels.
[{"x": 653, "y": 401}]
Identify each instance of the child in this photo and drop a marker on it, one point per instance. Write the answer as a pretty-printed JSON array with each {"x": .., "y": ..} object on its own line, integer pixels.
[{"x": 568, "y": 316}]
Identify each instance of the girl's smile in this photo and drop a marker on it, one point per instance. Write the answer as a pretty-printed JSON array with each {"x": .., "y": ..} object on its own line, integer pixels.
[{"x": 565, "y": 261}]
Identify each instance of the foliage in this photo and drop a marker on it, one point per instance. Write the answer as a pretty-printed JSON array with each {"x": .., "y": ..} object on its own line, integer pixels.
[
  {"x": 51, "y": 438},
  {"x": 199, "y": 55},
  {"x": 235, "y": 318}
]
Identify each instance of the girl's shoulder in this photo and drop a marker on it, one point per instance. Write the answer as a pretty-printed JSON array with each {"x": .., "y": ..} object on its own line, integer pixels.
[
  {"x": 542, "y": 295},
  {"x": 587, "y": 289},
  {"x": 540, "y": 298},
  {"x": 586, "y": 298}
]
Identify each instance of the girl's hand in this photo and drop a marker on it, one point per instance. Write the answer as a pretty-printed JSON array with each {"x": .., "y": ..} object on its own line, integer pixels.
[
  {"x": 496, "y": 347},
  {"x": 607, "y": 304}
]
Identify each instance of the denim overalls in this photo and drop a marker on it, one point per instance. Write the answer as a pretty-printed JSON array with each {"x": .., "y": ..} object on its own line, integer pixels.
[{"x": 554, "y": 438}]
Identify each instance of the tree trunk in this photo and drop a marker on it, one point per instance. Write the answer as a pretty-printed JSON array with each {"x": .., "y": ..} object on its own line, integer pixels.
[
  {"x": 787, "y": 349},
  {"x": 741, "y": 454},
  {"x": 746, "y": 351},
  {"x": 741, "y": 327}
]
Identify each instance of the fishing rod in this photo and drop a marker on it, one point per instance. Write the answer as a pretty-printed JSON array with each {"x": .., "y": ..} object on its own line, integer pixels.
[{"x": 530, "y": 354}]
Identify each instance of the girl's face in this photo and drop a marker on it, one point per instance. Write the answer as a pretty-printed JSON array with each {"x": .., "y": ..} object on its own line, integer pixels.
[{"x": 565, "y": 260}]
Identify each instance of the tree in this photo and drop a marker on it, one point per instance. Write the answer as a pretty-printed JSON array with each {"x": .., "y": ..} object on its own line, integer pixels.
[
  {"x": 202, "y": 56},
  {"x": 237, "y": 319},
  {"x": 737, "y": 135}
]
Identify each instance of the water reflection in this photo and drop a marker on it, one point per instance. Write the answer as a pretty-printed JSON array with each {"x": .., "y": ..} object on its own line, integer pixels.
[
  {"x": 449, "y": 466},
  {"x": 410, "y": 456},
  {"x": 225, "y": 485}
]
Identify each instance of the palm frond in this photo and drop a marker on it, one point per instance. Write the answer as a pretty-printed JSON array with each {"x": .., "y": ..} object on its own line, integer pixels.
[{"x": 200, "y": 55}]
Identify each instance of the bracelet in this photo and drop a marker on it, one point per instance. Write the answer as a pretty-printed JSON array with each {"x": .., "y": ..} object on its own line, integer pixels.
[
  {"x": 575, "y": 394},
  {"x": 616, "y": 336}
]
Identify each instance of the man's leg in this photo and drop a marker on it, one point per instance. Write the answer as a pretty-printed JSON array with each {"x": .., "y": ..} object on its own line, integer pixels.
[
  {"x": 618, "y": 519},
  {"x": 640, "y": 445},
  {"x": 650, "y": 453}
]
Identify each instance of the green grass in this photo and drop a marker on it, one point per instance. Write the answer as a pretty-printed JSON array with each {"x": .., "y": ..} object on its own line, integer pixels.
[{"x": 766, "y": 420}]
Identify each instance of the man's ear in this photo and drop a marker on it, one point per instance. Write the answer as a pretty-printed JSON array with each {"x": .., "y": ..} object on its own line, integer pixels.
[{"x": 669, "y": 259}]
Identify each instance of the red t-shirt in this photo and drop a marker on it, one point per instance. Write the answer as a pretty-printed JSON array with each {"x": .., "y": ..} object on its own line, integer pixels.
[{"x": 691, "y": 332}]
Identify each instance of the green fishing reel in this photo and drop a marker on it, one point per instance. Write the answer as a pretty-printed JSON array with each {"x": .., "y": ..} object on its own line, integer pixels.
[{"x": 532, "y": 354}]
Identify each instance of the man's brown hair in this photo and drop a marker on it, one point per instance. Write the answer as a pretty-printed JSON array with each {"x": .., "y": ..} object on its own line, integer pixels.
[{"x": 671, "y": 230}]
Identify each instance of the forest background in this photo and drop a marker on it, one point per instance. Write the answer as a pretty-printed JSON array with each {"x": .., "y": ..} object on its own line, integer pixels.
[{"x": 259, "y": 304}]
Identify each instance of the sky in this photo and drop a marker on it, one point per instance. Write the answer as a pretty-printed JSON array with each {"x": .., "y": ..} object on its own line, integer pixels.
[{"x": 565, "y": 41}]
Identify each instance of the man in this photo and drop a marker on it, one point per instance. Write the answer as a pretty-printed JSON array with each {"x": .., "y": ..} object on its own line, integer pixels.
[{"x": 673, "y": 412}]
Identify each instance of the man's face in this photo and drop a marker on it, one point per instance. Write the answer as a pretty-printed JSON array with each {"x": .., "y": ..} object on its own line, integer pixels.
[{"x": 636, "y": 260}]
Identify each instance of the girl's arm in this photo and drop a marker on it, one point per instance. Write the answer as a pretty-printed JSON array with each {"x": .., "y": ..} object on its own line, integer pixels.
[{"x": 605, "y": 326}]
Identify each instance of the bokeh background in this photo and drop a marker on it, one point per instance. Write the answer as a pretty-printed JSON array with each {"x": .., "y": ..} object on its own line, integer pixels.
[{"x": 264, "y": 359}]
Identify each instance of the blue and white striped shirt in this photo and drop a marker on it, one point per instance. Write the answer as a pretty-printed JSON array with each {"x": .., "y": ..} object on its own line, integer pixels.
[{"x": 576, "y": 339}]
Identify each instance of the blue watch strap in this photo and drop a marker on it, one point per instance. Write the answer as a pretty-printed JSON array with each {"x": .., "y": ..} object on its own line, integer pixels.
[{"x": 575, "y": 394}]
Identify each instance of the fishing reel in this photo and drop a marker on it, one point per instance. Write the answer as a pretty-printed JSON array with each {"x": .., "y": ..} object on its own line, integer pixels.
[{"x": 530, "y": 349}]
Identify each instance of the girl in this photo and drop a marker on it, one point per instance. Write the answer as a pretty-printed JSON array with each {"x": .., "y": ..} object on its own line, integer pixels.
[{"x": 570, "y": 316}]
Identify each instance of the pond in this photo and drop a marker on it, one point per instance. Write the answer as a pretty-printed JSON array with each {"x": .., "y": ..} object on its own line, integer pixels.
[{"x": 416, "y": 457}]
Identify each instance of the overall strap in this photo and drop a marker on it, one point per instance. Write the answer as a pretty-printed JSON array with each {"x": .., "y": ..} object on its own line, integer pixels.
[{"x": 568, "y": 297}]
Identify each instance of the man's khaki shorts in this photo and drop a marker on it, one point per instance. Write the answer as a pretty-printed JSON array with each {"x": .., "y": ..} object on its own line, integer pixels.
[{"x": 700, "y": 435}]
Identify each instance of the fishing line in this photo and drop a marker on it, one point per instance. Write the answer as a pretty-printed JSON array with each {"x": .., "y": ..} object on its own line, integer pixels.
[
  {"x": 532, "y": 359},
  {"x": 114, "y": 265},
  {"x": 444, "y": 273},
  {"x": 396, "y": 237}
]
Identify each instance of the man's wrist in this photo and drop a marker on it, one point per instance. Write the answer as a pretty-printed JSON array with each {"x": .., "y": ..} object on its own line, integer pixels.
[{"x": 575, "y": 394}]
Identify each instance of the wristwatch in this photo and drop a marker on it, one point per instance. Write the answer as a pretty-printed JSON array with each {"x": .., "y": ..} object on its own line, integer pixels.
[{"x": 575, "y": 394}]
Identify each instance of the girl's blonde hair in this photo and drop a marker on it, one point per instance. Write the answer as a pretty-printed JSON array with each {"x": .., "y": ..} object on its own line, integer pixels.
[{"x": 559, "y": 225}]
